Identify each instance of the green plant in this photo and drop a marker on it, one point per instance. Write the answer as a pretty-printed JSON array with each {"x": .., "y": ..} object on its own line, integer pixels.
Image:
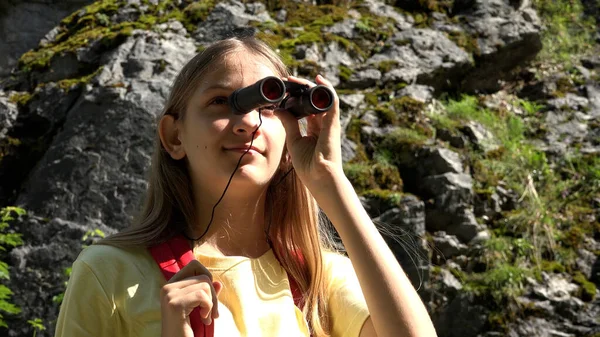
[
  {"x": 37, "y": 325},
  {"x": 7, "y": 240},
  {"x": 568, "y": 31},
  {"x": 59, "y": 297}
]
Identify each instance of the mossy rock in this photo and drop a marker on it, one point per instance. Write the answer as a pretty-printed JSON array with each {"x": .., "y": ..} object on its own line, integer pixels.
[
  {"x": 407, "y": 105},
  {"x": 388, "y": 199},
  {"x": 21, "y": 99},
  {"x": 387, "y": 66},
  {"x": 344, "y": 72},
  {"x": 68, "y": 84},
  {"x": 465, "y": 41},
  {"x": 587, "y": 291},
  {"x": 360, "y": 175},
  {"x": 387, "y": 176},
  {"x": 386, "y": 115},
  {"x": 92, "y": 24}
]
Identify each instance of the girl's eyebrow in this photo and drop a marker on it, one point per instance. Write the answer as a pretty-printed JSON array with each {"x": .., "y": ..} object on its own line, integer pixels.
[{"x": 222, "y": 86}]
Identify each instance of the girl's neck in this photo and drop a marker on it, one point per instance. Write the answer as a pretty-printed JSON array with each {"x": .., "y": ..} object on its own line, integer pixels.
[{"x": 237, "y": 229}]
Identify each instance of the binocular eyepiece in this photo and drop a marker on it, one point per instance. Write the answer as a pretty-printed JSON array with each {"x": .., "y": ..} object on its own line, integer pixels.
[{"x": 302, "y": 100}]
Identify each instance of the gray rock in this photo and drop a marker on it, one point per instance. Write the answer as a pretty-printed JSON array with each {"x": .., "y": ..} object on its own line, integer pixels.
[
  {"x": 450, "y": 188},
  {"x": 403, "y": 227},
  {"x": 455, "y": 139},
  {"x": 593, "y": 96},
  {"x": 450, "y": 211},
  {"x": 281, "y": 15},
  {"x": 591, "y": 61},
  {"x": 424, "y": 56},
  {"x": 8, "y": 114},
  {"x": 351, "y": 100},
  {"x": 480, "y": 136},
  {"x": 370, "y": 117},
  {"x": 555, "y": 288},
  {"x": 463, "y": 317},
  {"x": 421, "y": 93},
  {"x": 506, "y": 38},
  {"x": 345, "y": 28},
  {"x": 380, "y": 9},
  {"x": 487, "y": 205},
  {"x": 448, "y": 245},
  {"x": 363, "y": 79},
  {"x": 227, "y": 19},
  {"x": 35, "y": 126},
  {"x": 439, "y": 161},
  {"x": 570, "y": 102},
  {"x": 450, "y": 283},
  {"x": 24, "y": 23},
  {"x": 94, "y": 172},
  {"x": 348, "y": 150},
  {"x": 308, "y": 52}
]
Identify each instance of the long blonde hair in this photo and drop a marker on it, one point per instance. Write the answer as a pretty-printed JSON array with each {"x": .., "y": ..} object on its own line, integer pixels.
[{"x": 169, "y": 207}]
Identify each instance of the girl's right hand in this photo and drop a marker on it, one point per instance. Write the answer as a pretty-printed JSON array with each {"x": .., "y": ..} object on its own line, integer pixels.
[{"x": 191, "y": 287}]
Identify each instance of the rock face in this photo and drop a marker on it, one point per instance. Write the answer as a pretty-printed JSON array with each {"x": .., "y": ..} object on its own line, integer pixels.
[
  {"x": 92, "y": 176},
  {"x": 24, "y": 23},
  {"x": 76, "y": 136}
]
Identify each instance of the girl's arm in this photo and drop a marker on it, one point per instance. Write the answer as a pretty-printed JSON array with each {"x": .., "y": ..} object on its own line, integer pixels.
[{"x": 395, "y": 307}]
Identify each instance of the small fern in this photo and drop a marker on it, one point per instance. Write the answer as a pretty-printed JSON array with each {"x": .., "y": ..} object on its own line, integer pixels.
[{"x": 8, "y": 239}]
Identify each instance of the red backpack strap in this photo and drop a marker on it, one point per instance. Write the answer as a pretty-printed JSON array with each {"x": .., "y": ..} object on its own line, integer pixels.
[{"x": 171, "y": 256}]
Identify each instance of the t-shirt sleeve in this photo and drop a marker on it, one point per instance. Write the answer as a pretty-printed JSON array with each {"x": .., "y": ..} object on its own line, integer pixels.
[
  {"x": 347, "y": 304},
  {"x": 86, "y": 309}
]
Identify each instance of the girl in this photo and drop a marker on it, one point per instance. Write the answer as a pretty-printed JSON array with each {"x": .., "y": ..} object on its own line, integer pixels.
[{"x": 254, "y": 241}]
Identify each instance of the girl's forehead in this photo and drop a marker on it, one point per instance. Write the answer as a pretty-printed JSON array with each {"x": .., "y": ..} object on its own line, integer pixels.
[{"x": 238, "y": 67}]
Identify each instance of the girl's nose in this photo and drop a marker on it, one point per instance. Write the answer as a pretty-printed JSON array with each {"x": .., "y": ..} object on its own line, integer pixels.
[{"x": 246, "y": 123}]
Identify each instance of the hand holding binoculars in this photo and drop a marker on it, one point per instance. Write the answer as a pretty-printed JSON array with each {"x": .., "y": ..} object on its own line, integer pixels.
[{"x": 302, "y": 100}]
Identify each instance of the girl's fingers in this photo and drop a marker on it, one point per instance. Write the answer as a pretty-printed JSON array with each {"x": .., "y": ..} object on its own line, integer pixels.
[
  {"x": 291, "y": 125},
  {"x": 314, "y": 125}
]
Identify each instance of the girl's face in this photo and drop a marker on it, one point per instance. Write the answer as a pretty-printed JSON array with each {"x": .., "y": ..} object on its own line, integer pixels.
[{"x": 214, "y": 138}]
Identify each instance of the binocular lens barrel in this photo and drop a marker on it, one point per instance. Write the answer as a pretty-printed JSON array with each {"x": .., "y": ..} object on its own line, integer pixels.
[
  {"x": 267, "y": 91},
  {"x": 321, "y": 98}
]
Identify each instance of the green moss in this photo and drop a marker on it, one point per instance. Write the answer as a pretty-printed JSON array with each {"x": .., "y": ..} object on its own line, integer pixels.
[
  {"x": 564, "y": 85},
  {"x": 402, "y": 136},
  {"x": 569, "y": 31},
  {"x": 503, "y": 282},
  {"x": 314, "y": 17},
  {"x": 344, "y": 72},
  {"x": 371, "y": 98},
  {"x": 92, "y": 23},
  {"x": 467, "y": 42},
  {"x": 360, "y": 175},
  {"x": 353, "y": 133},
  {"x": 199, "y": 11},
  {"x": 387, "y": 198},
  {"x": 386, "y": 115},
  {"x": 352, "y": 48},
  {"x": 387, "y": 176},
  {"x": 20, "y": 98},
  {"x": 588, "y": 289},
  {"x": 40, "y": 59},
  {"x": 552, "y": 267},
  {"x": 407, "y": 105},
  {"x": 386, "y": 66},
  {"x": 68, "y": 84}
]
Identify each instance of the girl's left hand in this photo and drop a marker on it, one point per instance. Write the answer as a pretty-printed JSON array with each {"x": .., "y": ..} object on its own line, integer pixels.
[{"x": 317, "y": 157}]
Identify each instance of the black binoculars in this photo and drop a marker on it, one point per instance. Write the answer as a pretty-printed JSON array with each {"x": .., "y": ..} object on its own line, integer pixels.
[{"x": 302, "y": 100}]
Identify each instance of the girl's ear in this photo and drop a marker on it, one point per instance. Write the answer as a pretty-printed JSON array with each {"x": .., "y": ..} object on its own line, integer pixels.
[{"x": 169, "y": 131}]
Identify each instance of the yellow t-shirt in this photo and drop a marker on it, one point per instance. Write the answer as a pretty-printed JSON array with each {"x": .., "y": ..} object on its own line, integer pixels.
[{"x": 116, "y": 292}]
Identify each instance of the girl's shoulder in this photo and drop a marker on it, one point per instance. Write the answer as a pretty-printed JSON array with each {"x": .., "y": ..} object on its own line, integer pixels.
[
  {"x": 111, "y": 260},
  {"x": 337, "y": 266}
]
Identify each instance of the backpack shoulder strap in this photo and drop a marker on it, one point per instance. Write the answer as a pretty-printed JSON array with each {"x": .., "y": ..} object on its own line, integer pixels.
[{"x": 171, "y": 256}]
